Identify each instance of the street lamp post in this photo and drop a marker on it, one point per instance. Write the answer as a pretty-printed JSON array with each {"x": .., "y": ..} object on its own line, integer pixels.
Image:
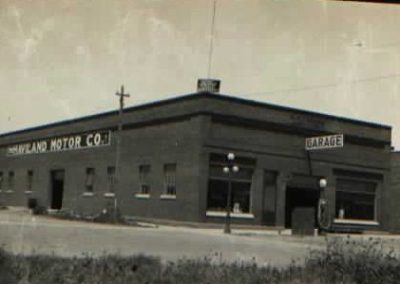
[
  {"x": 229, "y": 169},
  {"x": 322, "y": 183}
]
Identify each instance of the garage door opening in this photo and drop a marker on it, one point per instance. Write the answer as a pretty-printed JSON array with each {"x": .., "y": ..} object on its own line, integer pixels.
[
  {"x": 300, "y": 197},
  {"x": 57, "y": 189}
]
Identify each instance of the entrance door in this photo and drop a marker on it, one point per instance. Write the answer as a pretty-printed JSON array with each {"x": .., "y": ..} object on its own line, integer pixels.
[
  {"x": 57, "y": 189},
  {"x": 300, "y": 197}
]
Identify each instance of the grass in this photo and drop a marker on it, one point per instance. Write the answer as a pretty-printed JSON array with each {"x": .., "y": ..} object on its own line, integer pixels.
[{"x": 342, "y": 261}]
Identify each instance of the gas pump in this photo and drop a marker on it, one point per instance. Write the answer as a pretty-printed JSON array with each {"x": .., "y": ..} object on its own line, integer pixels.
[
  {"x": 323, "y": 210},
  {"x": 324, "y": 220}
]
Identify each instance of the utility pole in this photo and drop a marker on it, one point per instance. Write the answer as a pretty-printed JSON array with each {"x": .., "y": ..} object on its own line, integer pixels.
[{"x": 121, "y": 96}]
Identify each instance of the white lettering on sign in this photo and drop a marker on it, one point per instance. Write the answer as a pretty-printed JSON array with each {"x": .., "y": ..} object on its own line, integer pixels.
[
  {"x": 89, "y": 140},
  {"x": 97, "y": 139},
  {"x": 72, "y": 142},
  {"x": 325, "y": 142}
]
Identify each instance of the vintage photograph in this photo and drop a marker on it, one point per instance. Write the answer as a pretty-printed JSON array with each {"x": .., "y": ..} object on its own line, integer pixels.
[{"x": 213, "y": 141}]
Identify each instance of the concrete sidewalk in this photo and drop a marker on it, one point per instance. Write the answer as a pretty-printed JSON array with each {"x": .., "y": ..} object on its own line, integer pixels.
[{"x": 21, "y": 232}]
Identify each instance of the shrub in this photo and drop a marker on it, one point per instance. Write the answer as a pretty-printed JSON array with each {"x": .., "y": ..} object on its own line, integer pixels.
[
  {"x": 109, "y": 215},
  {"x": 355, "y": 261},
  {"x": 342, "y": 261},
  {"x": 39, "y": 210},
  {"x": 32, "y": 203},
  {"x": 34, "y": 206},
  {"x": 6, "y": 273},
  {"x": 105, "y": 216},
  {"x": 3, "y": 207}
]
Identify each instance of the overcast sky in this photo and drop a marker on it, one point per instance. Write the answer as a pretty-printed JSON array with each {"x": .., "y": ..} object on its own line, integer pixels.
[{"x": 67, "y": 58}]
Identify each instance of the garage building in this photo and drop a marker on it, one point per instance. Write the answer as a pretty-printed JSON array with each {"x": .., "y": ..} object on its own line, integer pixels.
[{"x": 172, "y": 155}]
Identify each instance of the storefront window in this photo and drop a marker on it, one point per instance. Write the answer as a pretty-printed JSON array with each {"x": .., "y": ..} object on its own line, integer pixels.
[
  {"x": 218, "y": 185},
  {"x": 10, "y": 180},
  {"x": 111, "y": 178},
  {"x": 218, "y": 194},
  {"x": 144, "y": 179},
  {"x": 89, "y": 179},
  {"x": 170, "y": 179},
  {"x": 355, "y": 199}
]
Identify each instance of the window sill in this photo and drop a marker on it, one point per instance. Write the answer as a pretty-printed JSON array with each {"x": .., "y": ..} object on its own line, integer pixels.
[
  {"x": 142, "y": 196},
  {"x": 87, "y": 194},
  {"x": 109, "y": 194},
  {"x": 355, "y": 221},
  {"x": 9, "y": 191},
  {"x": 233, "y": 215},
  {"x": 168, "y": 196},
  {"x": 28, "y": 191}
]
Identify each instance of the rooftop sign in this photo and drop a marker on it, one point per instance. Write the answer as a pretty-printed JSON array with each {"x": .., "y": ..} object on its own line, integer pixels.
[
  {"x": 325, "y": 142},
  {"x": 63, "y": 143},
  {"x": 208, "y": 85}
]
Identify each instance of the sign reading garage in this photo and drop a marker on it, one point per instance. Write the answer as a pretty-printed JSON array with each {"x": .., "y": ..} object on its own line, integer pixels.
[
  {"x": 325, "y": 142},
  {"x": 63, "y": 143}
]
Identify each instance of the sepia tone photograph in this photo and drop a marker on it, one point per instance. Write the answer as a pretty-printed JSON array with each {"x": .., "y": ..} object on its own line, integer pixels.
[{"x": 212, "y": 141}]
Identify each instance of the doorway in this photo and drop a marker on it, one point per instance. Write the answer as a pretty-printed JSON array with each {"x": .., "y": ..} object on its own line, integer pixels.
[
  {"x": 300, "y": 197},
  {"x": 57, "y": 189}
]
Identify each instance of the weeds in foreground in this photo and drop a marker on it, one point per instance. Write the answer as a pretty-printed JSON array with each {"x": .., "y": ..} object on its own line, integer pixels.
[
  {"x": 355, "y": 261},
  {"x": 342, "y": 261}
]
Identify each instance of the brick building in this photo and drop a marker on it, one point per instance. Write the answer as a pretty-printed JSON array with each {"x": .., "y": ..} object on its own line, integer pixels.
[
  {"x": 173, "y": 152},
  {"x": 393, "y": 204}
]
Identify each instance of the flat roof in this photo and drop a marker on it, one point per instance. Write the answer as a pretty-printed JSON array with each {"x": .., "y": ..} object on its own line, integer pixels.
[{"x": 195, "y": 96}]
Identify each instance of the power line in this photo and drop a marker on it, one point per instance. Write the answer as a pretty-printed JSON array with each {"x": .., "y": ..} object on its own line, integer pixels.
[
  {"x": 328, "y": 85},
  {"x": 374, "y": 1}
]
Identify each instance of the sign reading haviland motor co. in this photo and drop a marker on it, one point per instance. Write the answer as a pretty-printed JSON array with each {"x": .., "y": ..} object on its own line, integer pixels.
[
  {"x": 63, "y": 143},
  {"x": 325, "y": 142}
]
